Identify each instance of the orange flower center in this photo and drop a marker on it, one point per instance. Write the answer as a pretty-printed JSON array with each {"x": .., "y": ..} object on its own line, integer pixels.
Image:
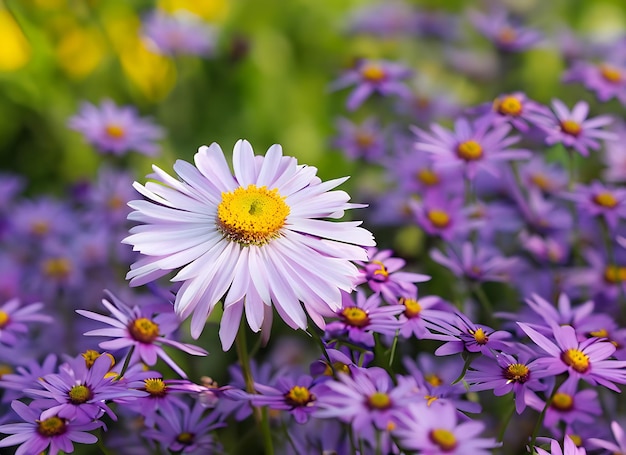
[
  {"x": 339, "y": 367},
  {"x": 364, "y": 139},
  {"x": 144, "y": 330},
  {"x": 507, "y": 35},
  {"x": 439, "y": 218},
  {"x": 433, "y": 379},
  {"x": 605, "y": 199},
  {"x": 576, "y": 359},
  {"x": 4, "y": 319},
  {"x": 469, "y": 150},
  {"x": 571, "y": 127},
  {"x": 509, "y": 105},
  {"x": 614, "y": 274},
  {"x": 610, "y": 73},
  {"x": 412, "y": 307},
  {"x": 52, "y": 426},
  {"x": 373, "y": 73},
  {"x": 428, "y": 177},
  {"x": 355, "y": 317},
  {"x": 57, "y": 267},
  {"x": 445, "y": 439},
  {"x": 517, "y": 372},
  {"x": 562, "y": 401},
  {"x": 155, "y": 387},
  {"x": 115, "y": 131}
]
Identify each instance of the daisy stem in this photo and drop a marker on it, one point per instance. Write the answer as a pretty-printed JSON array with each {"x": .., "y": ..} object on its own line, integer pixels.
[
  {"x": 394, "y": 345},
  {"x": 322, "y": 346},
  {"x": 468, "y": 357},
  {"x": 126, "y": 361},
  {"x": 507, "y": 420},
  {"x": 484, "y": 303},
  {"x": 260, "y": 414},
  {"x": 533, "y": 438}
]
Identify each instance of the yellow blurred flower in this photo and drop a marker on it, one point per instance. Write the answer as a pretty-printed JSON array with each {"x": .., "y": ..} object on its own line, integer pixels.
[
  {"x": 210, "y": 10},
  {"x": 15, "y": 49},
  {"x": 79, "y": 51}
]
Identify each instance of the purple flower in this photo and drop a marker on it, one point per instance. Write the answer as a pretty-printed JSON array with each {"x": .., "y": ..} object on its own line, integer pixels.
[
  {"x": 435, "y": 430},
  {"x": 383, "y": 19},
  {"x": 469, "y": 146},
  {"x": 179, "y": 33},
  {"x": 599, "y": 200},
  {"x": 15, "y": 319},
  {"x": 514, "y": 108},
  {"x": 360, "y": 319},
  {"x": 35, "y": 435},
  {"x": 606, "y": 80},
  {"x": 614, "y": 157},
  {"x": 620, "y": 438},
  {"x": 374, "y": 76},
  {"x": 573, "y": 129},
  {"x": 298, "y": 395},
  {"x": 503, "y": 33},
  {"x": 441, "y": 215},
  {"x": 569, "y": 448},
  {"x": 365, "y": 140},
  {"x": 546, "y": 177},
  {"x": 139, "y": 328},
  {"x": 116, "y": 130},
  {"x": 417, "y": 310},
  {"x": 588, "y": 360},
  {"x": 26, "y": 376}
]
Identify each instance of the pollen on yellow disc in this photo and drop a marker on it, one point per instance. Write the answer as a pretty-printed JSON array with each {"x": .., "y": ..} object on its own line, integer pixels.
[
  {"x": 79, "y": 394},
  {"x": 115, "y": 131},
  {"x": 517, "y": 372},
  {"x": 4, "y": 319},
  {"x": 52, "y": 426},
  {"x": 571, "y": 127},
  {"x": 15, "y": 50},
  {"x": 144, "y": 330},
  {"x": 445, "y": 439},
  {"x": 412, "y": 308},
  {"x": 155, "y": 387},
  {"x": 469, "y": 150},
  {"x": 355, "y": 317},
  {"x": 299, "y": 396},
  {"x": 252, "y": 215},
  {"x": 439, "y": 218},
  {"x": 479, "y": 335},
  {"x": 576, "y": 359},
  {"x": 509, "y": 105},
  {"x": 614, "y": 274}
]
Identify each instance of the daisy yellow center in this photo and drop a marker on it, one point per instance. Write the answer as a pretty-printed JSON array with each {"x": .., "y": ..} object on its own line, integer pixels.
[
  {"x": 252, "y": 215},
  {"x": 155, "y": 387},
  {"x": 479, "y": 336},
  {"x": 299, "y": 396},
  {"x": 52, "y": 426},
  {"x": 562, "y": 401},
  {"x": 91, "y": 356},
  {"x": 144, "y": 330},
  {"x": 57, "y": 267},
  {"x": 578, "y": 441},
  {"x": 605, "y": 199},
  {"x": 382, "y": 271},
  {"x": 576, "y": 359},
  {"x": 364, "y": 139},
  {"x": 115, "y": 131},
  {"x": 541, "y": 181},
  {"x": 412, "y": 307},
  {"x": 339, "y": 367},
  {"x": 4, "y": 319},
  {"x": 379, "y": 400},
  {"x": 507, "y": 35},
  {"x": 469, "y": 150},
  {"x": 439, "y": 218},
  {"x": 445, "y": 439},
  {"x": 355, "y": 317},
  {"x": 428, "y": 177},
  {"x": 185, "y": 438},
  {"x": 79, "y": 394},
  {"x": 373, "y": 73},
  {"x": 509, "y": 105},
  {"x": 614, "y": 274},
  {"x": 517, "y": 372},
  {"x": 610, "y": 73},
  {"x": 433, "y": 380},
  {"x": 571, "y": 127}
]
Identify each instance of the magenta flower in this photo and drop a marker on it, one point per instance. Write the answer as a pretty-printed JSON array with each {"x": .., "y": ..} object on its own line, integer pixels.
[
  {"x": 573, "y": 129},
  {"x": 374, "y": 76},
  {"x": 599, "y": 200},
  {"x": 506, "y": 35},
  {"x": 588, "y": 360},
  {"x": 620, "y": 438},
  {"x": 116, "y": 130},
  {"x": 382, "y": 274},
  {"x": 15, "y": 319},
  {"x": 470, "y": 146},
  {"x": 607, "y": 80},
  {"x": 436, "y": 430},
  {"x": 179, "y": 33},
  {"x": 569, "y": 448},
  {"x": 139, "y": 328},
  {"x": 54, "y": 434}
]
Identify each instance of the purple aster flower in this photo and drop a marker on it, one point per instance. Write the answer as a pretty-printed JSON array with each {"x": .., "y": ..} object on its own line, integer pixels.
[
  {"x": 441, "y": 215},
  {"x": 573, "y": 129},
  {"x": 504, "y": 33},
  {"x": 367, "y": 399},
  {"x": 417, "y": 310},
  {"x": 599, "y": 200},
  {"x": 569, "y": 448},
  {"x": 365, "y": 140},
  {"x": 547, "y": 177},
  {"x": 360, "y": 319},
  {"x": 546, "y": 249},
  {"x": 435, "y": 430},
  {"x": 568, "y": 404},
  {"x": 26, "y": 376},
  {"x": 541, "y": 214},
  {"x": 179, "y": 33},
  {"x": 470, "y": 146},
  {"x": 504, "y": 374},
  {"x": 41, "y": 219},
  {"x": 374, "y": 76},
  {"x": 383, "y": 19},
  {"x": 601, "y": 278},
  {"x": 588, "y": 360},
  {"x": 382, "y": 274},
  {"x": 607, "y": 80},
  {"x": 116, "y": 130},
  {"x": 341, "y": 363},
  {"x": 514, "y": 108},
  {"x": 614, "y": 157},
  {"x": 620, "y": 438},
  {"x": 186, "y": 430},
  {"x": 252, "y": 239},
  {"x": 54, "y": 433},
  {"x": 139, "y": 328},
  {"x": 15, "y": 319},
  {"x": 429, "y": 103},
  {"x": 107, "y": 200}
]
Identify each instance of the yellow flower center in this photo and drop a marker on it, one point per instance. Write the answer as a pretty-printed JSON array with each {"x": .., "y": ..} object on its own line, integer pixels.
[
  {"x": 91, "y": 356},
  {"x": 57, "y": 267},
  {"x": 509, "y": 105},
  {"x": 79, "y": 394},
  {"x": 517, "y": 372},
  {"x": 610, "y": 73},
  {"x": 571, "y": 127},
  {"x": 412, "y": 307},
  {"x": 576, "y": 359},
  {"x": 299, "y": 396},
  {"x": 185, "y": 438},
  {"x": 373, "y": 73},
  {"x": 433, "y": 380},
  {"x": 144, "y": 330},
  {"x": 428, "y": 177},
  {"x": 52, "y": 426},
  {"x": 339, "y": 367},
  {"x": 364, "y": 139},
  {"x": 443, "y": 438},
  {"x": 479, "y": 335},
  {"x": 379, "y": 400},
  {"x": 602, "y": 333},
  {"x": 507, "y": 35},
  {"x": 115, "y": 131},
  {"x": 382, "y": 271},
  {"x": 155, "y": 387},
  {"x": 578, "y": 441},
  {"x": 541, "y": 181},
  {"x": 355, "y": 316},
  {"x": 469, "y": 150},
  {"x": 605, "y": 199},
  {"x": 614, "y": 274},
  {"x": 252, "y": 216},
  {"x": 562, "y": 401},
  {"x": 439, "y": 218},
  {"x": 4, "y": 319}
]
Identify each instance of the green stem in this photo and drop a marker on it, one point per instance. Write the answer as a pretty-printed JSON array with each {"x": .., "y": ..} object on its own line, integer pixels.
[
  {"x": 352, "y": 443},
  {"x": 484, "y": 303},
  {"x": 533, "y": 438},
  {"x": 468, "y": 357},
  {"x": 507, "y": 420},
  {"x": 322, "y": 346},
  {"x": 394, "y": 345},
  {"x": 126, "y": 362}
]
